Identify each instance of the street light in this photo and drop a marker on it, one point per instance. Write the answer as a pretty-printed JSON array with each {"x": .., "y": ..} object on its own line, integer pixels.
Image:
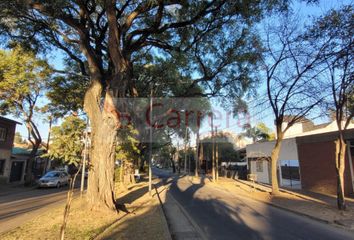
[
  {"x": 150, "y": 158},
  {"x": 84, "y": 161}
]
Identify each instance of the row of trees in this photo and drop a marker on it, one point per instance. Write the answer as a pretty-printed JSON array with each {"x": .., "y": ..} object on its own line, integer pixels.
[
  {"x": 111, "y": 43},
  {"x": 118, "y": 49},
  {"x": 309, "y": 69}
]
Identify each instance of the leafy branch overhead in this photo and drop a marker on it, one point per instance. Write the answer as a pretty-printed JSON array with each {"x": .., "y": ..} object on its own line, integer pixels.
[
  {"x": 214, "y": 38},
  {"x": 212, "y": 44}
]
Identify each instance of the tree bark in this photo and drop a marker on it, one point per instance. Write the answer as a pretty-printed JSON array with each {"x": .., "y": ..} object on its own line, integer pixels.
[
  {"x": 104, "y": 124},
  {"x": 29, "y": 169},
  {"x": 340, "y": 166},
  {"x": 274, "y": 166},
  {"x": 100, "y": 191},
  {"x": 32, "y": 132}
]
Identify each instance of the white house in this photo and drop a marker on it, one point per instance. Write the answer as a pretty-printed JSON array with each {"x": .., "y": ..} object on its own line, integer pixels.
[
  {"x": 258, "y": 156},
  {"x": 259, "y": 153}
]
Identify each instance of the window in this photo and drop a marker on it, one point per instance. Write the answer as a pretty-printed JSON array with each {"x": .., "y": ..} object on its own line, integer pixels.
[
  {"x": 2, "y": 166},
  {"x": 259, "y": 165},
  {"x": 2, "y": 134}
]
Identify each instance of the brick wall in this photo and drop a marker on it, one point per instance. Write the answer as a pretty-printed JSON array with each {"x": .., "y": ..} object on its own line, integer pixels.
[
  {"x": 317, "y": 167},
  {"x": 10, "y": 135}
]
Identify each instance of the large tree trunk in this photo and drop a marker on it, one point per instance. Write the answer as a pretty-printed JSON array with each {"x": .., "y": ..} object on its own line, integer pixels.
[
  {"x": 274, "y": 166},
  {"x": 100, "y": 191},
  {"x": 104, "y": 124},
  {"x": 36, "y": 142},
  {"x": 340, "y": 167},
  {"x": 29, "y": 169}
]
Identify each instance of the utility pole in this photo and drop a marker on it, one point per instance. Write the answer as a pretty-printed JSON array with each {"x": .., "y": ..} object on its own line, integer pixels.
[
  {"x": 189, "y": 158},
  {"x": 84, "y": 161},
  {"x": 185, "y": 150},
  {"x": 196, "y": 153},
  {"x": 216, "y": 156},
  {"x": 150, "y": 146},
  {"x": 212, "y": 148},
  {"x": 178, "y": 161},
  {"x": 48, "y": 165}
]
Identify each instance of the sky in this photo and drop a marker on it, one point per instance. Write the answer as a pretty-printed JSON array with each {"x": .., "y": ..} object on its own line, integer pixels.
[{"x": 257, "y": 115}]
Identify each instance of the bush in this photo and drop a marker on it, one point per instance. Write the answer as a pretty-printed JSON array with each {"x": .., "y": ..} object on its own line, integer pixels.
[{"x": 117, "y": 174}]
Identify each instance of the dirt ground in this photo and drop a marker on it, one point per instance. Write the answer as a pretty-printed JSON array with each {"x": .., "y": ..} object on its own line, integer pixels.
[{"x": 140, "y": 217}]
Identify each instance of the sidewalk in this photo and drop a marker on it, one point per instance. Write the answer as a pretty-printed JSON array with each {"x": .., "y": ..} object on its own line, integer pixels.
[
  {"x": 144, "y": 219},
  {"x": 316, "y": 206},
  {"x": 140, "y": 217},
  {"x": 182, "y": 227}
]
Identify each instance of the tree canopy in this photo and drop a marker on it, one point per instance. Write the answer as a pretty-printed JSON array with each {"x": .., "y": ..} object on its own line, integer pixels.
[
  {"x": 23, "y": 79},
  {"x": 258, "y": 132},
  {"x": 211, "y": 42},
  {"x": 68, "y": 141}
]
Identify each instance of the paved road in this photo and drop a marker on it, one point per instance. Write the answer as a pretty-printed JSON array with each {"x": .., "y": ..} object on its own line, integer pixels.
[
  {"x": 19, "y": 205},
  {"x": 222, "y": 215}
]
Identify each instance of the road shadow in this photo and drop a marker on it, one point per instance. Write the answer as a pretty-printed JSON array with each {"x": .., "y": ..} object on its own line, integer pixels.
[
  {"x": 221, "y": 214},
  {"x": 215, "y": 219}
]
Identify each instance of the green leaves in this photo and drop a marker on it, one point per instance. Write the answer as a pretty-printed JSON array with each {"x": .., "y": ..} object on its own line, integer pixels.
[
  {"x": 22, "y": 80},
  {"x": 259, "y": 132},
  {"x": 68, "y": 141}
]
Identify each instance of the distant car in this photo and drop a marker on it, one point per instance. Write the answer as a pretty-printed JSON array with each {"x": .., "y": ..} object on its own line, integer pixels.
[
  {"x": 54, "y": 179},
  {"x": 158, "y": 165}
]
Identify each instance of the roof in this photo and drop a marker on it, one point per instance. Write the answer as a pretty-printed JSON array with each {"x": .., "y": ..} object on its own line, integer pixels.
[
  {"x": 20, "y": 151},
  {"x": 9, "y": 120},
  {"x": 325, "y": 137},
  {"x": 25, "y": 151}
]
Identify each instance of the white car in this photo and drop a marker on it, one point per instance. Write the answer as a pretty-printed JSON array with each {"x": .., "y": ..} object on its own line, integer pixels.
[{"x": 54, "y": 179}]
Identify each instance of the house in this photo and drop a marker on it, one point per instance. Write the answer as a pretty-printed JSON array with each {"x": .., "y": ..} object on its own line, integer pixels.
[
  {"x": 11, "y": 170},
  {"x": 21, "y": 155},
  {"x": 306, "y": 159},
  {"x": 317, "y": 162},
  {"x": 259, "y": 155}
]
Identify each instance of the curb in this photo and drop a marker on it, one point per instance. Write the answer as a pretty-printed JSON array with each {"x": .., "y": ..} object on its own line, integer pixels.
[
  {"x": 332, "y": 223},
  {"x": 162, "y": 210},
  {"x": 193, "y": 223},
  {"x": 293, "y": 211},
  {"x": 113, "y": 224}
]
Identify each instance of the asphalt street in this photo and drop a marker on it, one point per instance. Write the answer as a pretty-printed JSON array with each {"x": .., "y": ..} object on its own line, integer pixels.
[
  {"x": 19, "y": 205},
  {"x": 223, "y": 215}
]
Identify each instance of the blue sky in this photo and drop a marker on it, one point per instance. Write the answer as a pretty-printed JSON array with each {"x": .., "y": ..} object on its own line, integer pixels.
[{"x": 305, "y": 11}]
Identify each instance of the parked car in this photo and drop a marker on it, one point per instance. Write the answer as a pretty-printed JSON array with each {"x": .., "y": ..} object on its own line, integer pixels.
[{"x": 54, "y": 179}]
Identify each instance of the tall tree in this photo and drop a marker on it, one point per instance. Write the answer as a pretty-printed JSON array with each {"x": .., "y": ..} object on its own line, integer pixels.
[
  {"x": 67, "y": 141},
  {"x": 291, "y": 80},
  {"x": 213, "y": 38},
  {"x": 18, "y": 138},
  {"x": 336, "y": 28},
  {"x": 257, "y": 133},
  {"x": 22, "y": 82}
]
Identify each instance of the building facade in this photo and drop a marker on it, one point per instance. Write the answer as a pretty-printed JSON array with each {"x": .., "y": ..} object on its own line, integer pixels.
[
  {"x": 10, "y": 171},
  {"x": 318, "y": 166},
  {"x": 306, "y": 162},
  {"x": 259, "y": 164}
]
